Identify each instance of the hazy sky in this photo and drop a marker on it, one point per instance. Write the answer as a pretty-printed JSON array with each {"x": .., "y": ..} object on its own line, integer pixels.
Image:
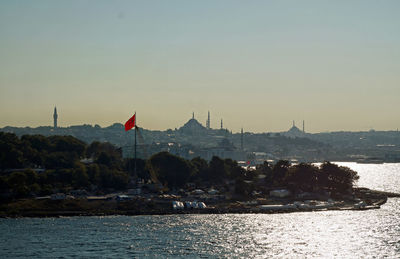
[{"x": 256, "y": 64}]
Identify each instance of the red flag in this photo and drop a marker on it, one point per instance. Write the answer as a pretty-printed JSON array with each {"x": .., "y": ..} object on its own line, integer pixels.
[{"x": 130, "y": 123}]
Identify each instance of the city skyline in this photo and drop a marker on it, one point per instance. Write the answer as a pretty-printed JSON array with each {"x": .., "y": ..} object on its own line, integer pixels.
[
  {"x": 214, "y": 124},
  {"x": 208, "y": 124},
  {"x": 256, "y": 65}
]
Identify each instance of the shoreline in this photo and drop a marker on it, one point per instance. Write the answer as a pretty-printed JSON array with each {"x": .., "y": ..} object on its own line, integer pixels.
[
  {"x": 364, "y": 199},
  {"x": 203, "y": 212}
]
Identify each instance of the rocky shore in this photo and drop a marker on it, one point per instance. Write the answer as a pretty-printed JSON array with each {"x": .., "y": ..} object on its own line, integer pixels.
[{"x": 362, "y": 199}]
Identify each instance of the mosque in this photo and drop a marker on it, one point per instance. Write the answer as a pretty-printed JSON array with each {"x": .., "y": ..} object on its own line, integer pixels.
[
  {"x": 295, "y": 132},
  {"x": 194, "y": 127},
  {"x": 213, "y": 142}
]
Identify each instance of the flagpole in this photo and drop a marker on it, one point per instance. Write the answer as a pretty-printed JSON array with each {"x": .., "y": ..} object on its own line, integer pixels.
[{"x": 135, "y": 145}]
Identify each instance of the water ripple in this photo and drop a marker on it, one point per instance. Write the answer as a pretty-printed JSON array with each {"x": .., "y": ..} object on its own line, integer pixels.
[{"x": 329, "y": 234}]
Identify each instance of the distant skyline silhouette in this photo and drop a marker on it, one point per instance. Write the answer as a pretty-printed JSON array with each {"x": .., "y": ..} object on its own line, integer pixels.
[
  {"x": 257, "y": 65},
  {"x": 295, "y": 127}
]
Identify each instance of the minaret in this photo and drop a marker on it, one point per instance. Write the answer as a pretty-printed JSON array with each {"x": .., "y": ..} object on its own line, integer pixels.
[
  {"x": 55, "y": 117},
  {"x": 193, "y": 115},
  {"x": 222, "y": 125},
  {"x": 303, "y": 127},
  {"x": 241, "y": 139},
  {"x": 208, "y": 121},
  {"x": 294, "y": 124}
]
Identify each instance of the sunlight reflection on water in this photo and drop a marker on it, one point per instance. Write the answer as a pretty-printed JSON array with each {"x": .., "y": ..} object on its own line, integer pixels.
[{"x": 340, "y": 234}]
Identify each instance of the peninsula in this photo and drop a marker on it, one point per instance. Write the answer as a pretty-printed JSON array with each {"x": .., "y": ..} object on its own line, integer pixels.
[{"x": 63, "y": 176}]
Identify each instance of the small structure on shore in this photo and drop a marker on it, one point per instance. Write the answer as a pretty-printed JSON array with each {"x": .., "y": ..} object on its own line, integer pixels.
[
  {"x": 58, "y": 196},
  {"x": 123, "y": 197},
  {"x": 178, "y": 205},
  {"x": 283, "y": 193}
]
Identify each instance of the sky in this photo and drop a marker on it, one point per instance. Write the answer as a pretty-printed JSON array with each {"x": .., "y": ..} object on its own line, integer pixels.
[{"x": 255, "y": 64}]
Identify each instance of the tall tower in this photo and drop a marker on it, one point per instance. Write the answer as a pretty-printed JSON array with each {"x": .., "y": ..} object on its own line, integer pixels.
[
  {"x": 208, "y": 121},
  {"x": 193, "y": 115},
  {"x": 293, "y": 124},
  {"x": 55, "y": 117},
  {"x": 222, "y": 125},
  {"x": 303, "y": 127},
  {"x": 241, "y": 139}
]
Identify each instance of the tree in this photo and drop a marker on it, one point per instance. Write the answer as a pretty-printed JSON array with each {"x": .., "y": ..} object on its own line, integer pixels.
[
  {"x": 340, "y": 178},
  {"x": 242, "y": 188},
  {"x": 141, "y": 170},
  {"x": 265, "y": 169},
  {"x": 11, "y": 157},
  {"x": 104, "y": 159},
  {"x": 93, "y": 172},
  {"x": 105, "y": 177},
  {"x": 67, "y": 144},
  {"x": 119, "y": 179},
  {"x": 98, "y": 151},
  {"x": 80, "y": 177},
  {"x": 170, "y": 170},
  {"x": 18, "y": 183},
  {"x": 31, "y": 176},
  {"x": 35, "y": 148},
  {"x": 200, "y": 169},
  {"x": 217, "y": 171},
  {"x": 63, "y": 176},
  {"x": 233, "y": 170},
  {"x": 302, "y": 177},
  {"x": 16, "y": 179},
  {"x": 38, "y": 142},
  {"x": 279, "y": 172},
  {"x": 55, "y": 160},
  {"x": 3, "y": 183},
  {"x": 10, "y": 154}
]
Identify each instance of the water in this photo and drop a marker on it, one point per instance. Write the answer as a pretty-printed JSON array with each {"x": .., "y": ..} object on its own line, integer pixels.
[{"x": 331, "y": 234}]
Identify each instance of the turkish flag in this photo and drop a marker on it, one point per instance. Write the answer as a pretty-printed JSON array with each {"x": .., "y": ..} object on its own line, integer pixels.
[{"x": 130, "y": 123}]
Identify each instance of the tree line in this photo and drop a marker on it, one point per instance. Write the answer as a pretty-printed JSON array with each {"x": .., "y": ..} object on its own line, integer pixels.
[{"x": 99, "y": 167}]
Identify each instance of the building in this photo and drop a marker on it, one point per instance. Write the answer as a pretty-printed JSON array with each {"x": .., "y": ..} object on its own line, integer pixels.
[
  {"x": 208, "y": 126},
  {"x": 193, "y": 127},
  {"x": 295, "y": 132},
  {"x": 55, "y": 117}
]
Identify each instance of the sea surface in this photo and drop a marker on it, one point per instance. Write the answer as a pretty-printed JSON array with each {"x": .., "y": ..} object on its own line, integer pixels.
[{"x": 330, "y": 234}]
